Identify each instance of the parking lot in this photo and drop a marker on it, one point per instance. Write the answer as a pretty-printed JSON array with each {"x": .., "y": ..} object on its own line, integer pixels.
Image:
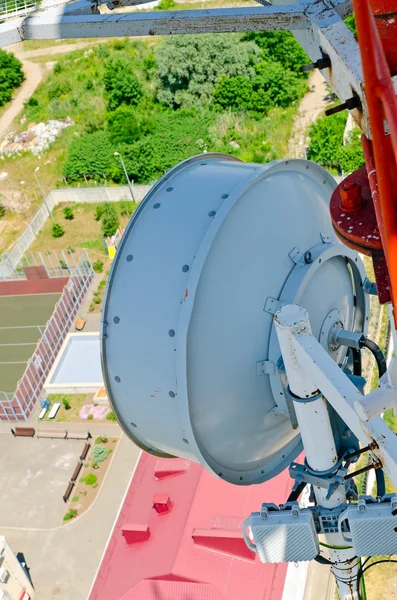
[{"x": 33, "y": 477}]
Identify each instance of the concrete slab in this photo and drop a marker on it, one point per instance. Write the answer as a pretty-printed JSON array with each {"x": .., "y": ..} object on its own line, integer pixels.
[
  {"x": 33, "y": 477},
  {"x": 63, "y": 561}
]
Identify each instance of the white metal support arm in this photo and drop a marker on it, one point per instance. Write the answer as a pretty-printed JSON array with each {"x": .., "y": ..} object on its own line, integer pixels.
[{"x": 304, "y": 355}]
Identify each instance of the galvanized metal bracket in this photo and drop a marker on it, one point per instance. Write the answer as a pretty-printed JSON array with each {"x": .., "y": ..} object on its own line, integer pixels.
[
  {"x": 295, "y": 255},
  {"x": 325, "y": 238},
  {"x": 272, "y": 305},
  {"x": 331, "y": 483},
  {"x": 369, "y": 287},
  {"x": 265, "y": 367}
]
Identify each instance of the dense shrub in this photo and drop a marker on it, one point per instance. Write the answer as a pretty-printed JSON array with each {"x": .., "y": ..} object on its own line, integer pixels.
[
  {"x": 68, "y": 213},
  {"x": 57, "y": 230},
  {"x": 100, "y": 209},
  {"x": 127, "y": 208},
  {"x": 351, "y": 23},
  {"x": 351, "y": 156},
  {"x": 166, "y": 5},
  {"x": 90, "y": 479},
  {"x": 234, "y": 92},
  {"x": 11, "y": 75},
  {"x": 33, "y": 102},
  {"x": 100, "y": 453},
  {"x": 178, "y": 135},
  {"x": 189, "y": 66},
  {"x": 91, "y": 155},
  {"x": 2, "y": 210},
  {"x": 58, "y": 88},
  {"x": 111, "y": 416},
  {"x": 282, "y": 86},
  {"x": 326, "y": 140},
  {"x": 122, "y": 84},
  {"x": 102, "y": 439},
  {"x": 97, "y": 266},
  {"x": 123, "y": 125},
  {"x": 66, "y": 404},
  {"x": 72, "y": 512}
]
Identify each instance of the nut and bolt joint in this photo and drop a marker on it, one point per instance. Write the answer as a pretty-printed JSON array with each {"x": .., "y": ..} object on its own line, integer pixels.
[{"x": 351, "y": 197}]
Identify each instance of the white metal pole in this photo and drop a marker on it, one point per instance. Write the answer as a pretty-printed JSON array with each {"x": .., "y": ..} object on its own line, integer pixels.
[
  {"x": 126, "y": 175},
  {"x": 318, "y": 440}
]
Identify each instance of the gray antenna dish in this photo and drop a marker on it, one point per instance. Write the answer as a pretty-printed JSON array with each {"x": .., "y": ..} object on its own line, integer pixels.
[{"x": 190, "y": 358}]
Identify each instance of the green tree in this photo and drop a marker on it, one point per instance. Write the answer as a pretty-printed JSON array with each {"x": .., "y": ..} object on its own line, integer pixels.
[
  {"x": 326, "y": 140},
  {"x": 110, "y": 220},
  {"x": 351, "y": 155},
  {"x": 233, "y": 92},
  {"x": 123, "y": 125},
  {"x": 282, "y": 86},
  {"x": 91, "y": 155},
  {"x": 11, "y": 75},
  {"x": 190, "y": 66},
  {"x": 280, "y": 47},
  {"x": 122, "y": 84}
]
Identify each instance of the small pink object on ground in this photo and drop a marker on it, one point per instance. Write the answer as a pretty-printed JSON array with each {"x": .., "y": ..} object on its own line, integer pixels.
[{"x": 98, "y": 412}]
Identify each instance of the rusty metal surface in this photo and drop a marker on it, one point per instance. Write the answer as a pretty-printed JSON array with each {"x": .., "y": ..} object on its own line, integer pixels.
[
  {"x": 354, "y": 221},
  {"x": 48, "y": 25},
  {"x": 381, "y": 155}
]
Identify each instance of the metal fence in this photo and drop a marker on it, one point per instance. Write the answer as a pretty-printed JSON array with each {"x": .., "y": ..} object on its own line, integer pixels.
[
  {"x": 11, "y": 9},
  {"x": 19, "y": 406},
  {"x": 56, "y": 263},
  {"x": 83, "y": 195}
]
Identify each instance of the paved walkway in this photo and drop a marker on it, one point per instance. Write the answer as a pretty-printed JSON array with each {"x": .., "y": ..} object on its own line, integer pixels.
[{"x": 63, "y": 562}]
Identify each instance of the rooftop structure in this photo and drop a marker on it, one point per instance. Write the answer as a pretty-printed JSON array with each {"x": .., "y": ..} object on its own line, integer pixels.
[
  {"x": 14, "y": 581},
  {"x": 178, "y": 536}
]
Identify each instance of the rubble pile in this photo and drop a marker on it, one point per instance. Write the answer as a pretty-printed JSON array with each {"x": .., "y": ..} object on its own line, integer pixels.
[{"x": 36, "y": 138}]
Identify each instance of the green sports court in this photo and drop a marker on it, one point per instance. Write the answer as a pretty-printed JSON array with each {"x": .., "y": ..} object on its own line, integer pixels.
[{"x": 22, "y": 321}]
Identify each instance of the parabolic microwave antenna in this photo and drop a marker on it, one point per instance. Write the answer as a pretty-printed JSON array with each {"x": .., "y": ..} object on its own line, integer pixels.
[{"x": 190, "y": 354}]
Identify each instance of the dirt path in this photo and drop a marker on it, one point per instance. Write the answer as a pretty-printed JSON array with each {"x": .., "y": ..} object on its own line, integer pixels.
[
  {"x": 33, "y": 75},
  {"x": 51, "y": 50},
  {"x": 311, "y": 106}
]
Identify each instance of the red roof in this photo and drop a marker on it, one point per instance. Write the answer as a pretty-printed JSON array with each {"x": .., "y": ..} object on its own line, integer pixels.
[{"x": 195, "y": 549}]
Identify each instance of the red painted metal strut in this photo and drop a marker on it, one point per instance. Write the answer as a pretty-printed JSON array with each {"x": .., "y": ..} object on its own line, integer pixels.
[{"x": 376, "y": 22}]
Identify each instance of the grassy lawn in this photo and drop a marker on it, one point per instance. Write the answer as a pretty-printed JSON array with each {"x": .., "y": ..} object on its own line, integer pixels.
[
  {"x": 71, "y": 415},
  {"x": 380, "y": 581},
  {"x": 76, "y": 402},
  {"x": 82, "y": 232}
]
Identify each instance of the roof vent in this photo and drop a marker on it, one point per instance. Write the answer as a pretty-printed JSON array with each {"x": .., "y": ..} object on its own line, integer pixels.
[
  {"x": 135, "y": 533},
  {"x": 222, "y": 540},
  {"x": 162, "y": 504},
  {"x": 169, "y": 468}
]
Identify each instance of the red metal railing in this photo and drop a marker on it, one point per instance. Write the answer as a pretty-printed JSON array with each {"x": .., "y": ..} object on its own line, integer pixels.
[{"x": 375, "y": 45}]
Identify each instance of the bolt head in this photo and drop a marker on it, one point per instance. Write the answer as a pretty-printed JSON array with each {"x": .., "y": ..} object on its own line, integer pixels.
[{"x": 351, "y": 198}]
